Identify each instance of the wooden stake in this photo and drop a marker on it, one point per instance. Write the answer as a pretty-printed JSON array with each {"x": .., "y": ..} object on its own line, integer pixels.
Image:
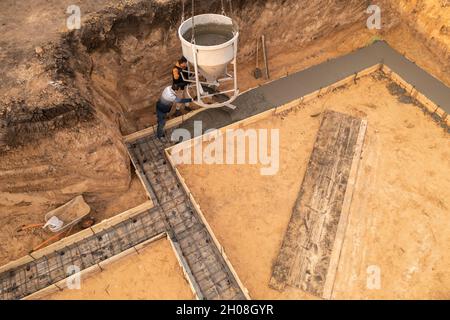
[{"x": 263, "y": 39}]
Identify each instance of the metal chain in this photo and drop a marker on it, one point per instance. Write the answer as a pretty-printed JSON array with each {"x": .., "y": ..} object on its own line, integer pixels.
[
  {"x": 223, "y": 7},
  {"x": 182, "y": 10},
  {"x": 193, "y": 22},
  {"x": 235, "y": 27}
]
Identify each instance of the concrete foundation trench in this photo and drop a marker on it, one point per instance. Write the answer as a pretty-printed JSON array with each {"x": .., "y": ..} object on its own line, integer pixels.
[{"x": 173, "y": 210}]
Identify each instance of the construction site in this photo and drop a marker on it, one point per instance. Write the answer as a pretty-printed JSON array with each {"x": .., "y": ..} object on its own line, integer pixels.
[{"x": 337, "y": 187}]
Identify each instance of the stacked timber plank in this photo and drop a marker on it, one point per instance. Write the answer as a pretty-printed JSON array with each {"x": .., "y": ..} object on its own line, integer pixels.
[{"x": 310, "y": 250}]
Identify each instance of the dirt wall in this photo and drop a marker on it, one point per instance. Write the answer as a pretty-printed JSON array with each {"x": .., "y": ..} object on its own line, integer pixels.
[{"x": 431, "y": 21}]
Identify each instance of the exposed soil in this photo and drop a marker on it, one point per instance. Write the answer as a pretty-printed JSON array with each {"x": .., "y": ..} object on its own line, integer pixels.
[
  {"x": 67, "y": 97},
  {"x": 431, "y": 20},
  {"x": 399, "y": 217},
  {"x": 20, "y": 209},
  {"x": 153, "y": 274}
]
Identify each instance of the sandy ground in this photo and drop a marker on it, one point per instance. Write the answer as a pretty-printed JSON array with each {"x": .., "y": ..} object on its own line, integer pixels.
[
  {"x": 152, "y": 274},
  {"x": 399, "y": 218}
]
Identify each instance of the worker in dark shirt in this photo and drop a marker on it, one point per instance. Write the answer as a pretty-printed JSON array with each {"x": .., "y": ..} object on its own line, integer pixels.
[
  {"x": 179, "y": 74},
  {"x": 164, "y": 105},
  {"x": 177, "y": 79}
]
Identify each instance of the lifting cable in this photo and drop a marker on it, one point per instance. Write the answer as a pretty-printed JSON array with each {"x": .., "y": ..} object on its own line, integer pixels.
[
  {"x": 182, "y": 10},
  {"x": 223, "y": 8},
  {"x": 193, "y": 14},
  {"x": 193, "y": 22}
]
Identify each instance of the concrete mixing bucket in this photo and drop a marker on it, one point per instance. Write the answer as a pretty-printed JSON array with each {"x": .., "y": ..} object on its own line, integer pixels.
[{"x": 211, "y": 59}]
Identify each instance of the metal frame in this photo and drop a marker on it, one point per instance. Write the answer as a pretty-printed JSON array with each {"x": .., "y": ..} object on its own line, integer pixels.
[{"x": 194, "y": 80}]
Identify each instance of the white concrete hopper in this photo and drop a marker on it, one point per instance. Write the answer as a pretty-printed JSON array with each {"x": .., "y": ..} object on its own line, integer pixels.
[{"x": 213, "y": 57}]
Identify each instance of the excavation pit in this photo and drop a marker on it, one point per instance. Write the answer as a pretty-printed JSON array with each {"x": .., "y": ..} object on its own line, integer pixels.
[{"x": 68, "y": 97}]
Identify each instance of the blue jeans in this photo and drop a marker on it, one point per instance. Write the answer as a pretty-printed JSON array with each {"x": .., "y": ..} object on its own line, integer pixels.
[{"x": 161, "y": 117}]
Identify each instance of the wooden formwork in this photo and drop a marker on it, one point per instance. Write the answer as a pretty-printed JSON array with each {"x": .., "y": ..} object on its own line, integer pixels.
[
  {"x": 429, "y": 105},
  {"x": 274, "y": 111},
  {"x": 101, "y": 230},
  {"x": 89, "y": 272},
  {"x": 58, "y": 245},
  {"x": 152, "y": 130},
  {"x": 204, "y": 266},
  {"x": 205, "y": 222}
]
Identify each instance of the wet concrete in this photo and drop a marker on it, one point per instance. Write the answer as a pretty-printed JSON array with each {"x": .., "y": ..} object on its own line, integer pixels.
[
  {"x": 248, "y": 104},
  {"x": 294, "y": 86},
  {"x": 210, "y": 34}
]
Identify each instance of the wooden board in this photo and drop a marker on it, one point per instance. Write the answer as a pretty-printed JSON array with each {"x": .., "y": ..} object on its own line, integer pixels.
[
  {"x": 103, "y": 225},
  {"x": 169, "y": 124},
  {"x": 47, "y": 267},
  {"x": 272, "y": 112},
  {"x": 342, "y": 226},
  {"x": 202, "y": 258},
  {"x": 306, "y": 254},
  {"x": 107, "y": 223},
  {"x": 428, "y": 104}
]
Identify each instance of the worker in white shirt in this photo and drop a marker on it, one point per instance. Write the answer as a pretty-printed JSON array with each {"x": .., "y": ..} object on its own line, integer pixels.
[{"x": 164, "y": 105}]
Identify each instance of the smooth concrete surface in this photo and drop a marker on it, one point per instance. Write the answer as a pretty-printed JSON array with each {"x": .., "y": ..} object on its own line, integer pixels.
[{"x": 296, "y": 85}]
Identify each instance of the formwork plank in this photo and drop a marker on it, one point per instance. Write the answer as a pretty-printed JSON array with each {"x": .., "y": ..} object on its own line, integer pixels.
[
  {"x": 84, "y": 250},
  {"x": 203, "y": 262},
  {"x": 305, "y": 254}
]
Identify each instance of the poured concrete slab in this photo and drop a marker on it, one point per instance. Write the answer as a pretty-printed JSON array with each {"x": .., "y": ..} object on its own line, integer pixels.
[{"x": 296, "y": 85}]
